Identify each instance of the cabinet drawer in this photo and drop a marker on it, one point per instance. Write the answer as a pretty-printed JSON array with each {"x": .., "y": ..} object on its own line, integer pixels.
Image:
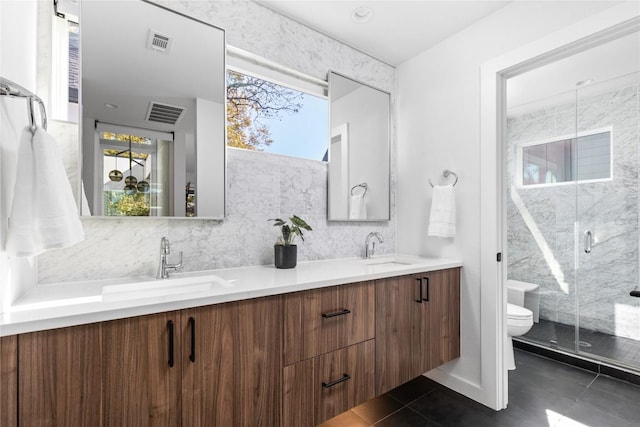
[
  {"x": 325, "y": 386},
  {"x": 322, "y": 320}
]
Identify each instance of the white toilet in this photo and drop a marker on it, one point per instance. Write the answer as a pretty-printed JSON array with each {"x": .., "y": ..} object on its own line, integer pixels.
[{"x": 519, "y": 321}]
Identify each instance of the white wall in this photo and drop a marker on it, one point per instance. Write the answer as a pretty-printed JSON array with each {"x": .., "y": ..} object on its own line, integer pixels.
[{"x": 438, "y": 128}]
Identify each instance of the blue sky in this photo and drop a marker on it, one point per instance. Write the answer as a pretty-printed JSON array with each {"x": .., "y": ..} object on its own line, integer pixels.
[{"x": 304, "y": 134}]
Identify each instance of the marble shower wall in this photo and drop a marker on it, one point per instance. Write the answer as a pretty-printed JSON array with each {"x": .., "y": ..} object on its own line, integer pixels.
[
  {"x": 259, "y": 185},
  {"x": 595, "y": 287}
]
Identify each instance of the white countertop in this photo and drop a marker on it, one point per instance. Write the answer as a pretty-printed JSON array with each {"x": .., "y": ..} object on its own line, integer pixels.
[{"x": 68, "y": 304}]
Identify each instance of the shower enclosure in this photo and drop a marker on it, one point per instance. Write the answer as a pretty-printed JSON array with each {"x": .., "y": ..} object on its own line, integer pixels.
[{"x": 573, "y": 164}]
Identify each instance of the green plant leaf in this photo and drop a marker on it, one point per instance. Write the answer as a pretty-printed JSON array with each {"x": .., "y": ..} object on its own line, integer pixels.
[{"x": 296, "y": 220}]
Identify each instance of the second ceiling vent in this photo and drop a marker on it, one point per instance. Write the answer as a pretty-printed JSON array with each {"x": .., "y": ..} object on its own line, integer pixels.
[{"x": 164, "y": 113}]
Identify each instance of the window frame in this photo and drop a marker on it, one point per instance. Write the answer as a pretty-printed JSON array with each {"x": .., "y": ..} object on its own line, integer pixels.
[{"x": 520, "y": 158}]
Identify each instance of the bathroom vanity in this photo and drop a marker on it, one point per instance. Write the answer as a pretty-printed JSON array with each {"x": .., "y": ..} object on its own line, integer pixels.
[{"x": 296, "y": 349}]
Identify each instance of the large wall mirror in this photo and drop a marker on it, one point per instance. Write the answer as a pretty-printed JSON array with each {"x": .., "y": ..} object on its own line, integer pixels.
[
  {"x": 359, "y": 151},
  {"x": 152, "y": 112}
]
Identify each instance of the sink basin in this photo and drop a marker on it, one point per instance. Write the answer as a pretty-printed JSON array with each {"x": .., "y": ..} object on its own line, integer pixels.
[
  {"x": 159, "y": 288},
  {"x": 388, "y": 262}
]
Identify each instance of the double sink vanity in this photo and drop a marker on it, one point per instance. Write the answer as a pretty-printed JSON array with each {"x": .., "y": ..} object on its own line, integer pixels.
[{"x": 240, "y": 346}]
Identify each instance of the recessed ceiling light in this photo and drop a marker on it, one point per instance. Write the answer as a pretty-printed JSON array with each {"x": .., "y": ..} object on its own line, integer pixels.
[
  {"x": 362, "y": 14},
  {"x": 112, "y": 106},
  {"x": 584, "y": 82}
]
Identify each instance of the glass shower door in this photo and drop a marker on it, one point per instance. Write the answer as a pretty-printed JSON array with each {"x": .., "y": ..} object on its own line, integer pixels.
[
  {"x": 541, "y": 210},
  {"x": 607, "y": 238}
]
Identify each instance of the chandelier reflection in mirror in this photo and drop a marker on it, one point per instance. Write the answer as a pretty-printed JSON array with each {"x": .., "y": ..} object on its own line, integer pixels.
[{"x": 136, "y": 191}]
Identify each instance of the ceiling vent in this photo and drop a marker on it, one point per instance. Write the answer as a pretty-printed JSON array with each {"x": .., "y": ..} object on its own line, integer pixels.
[
  {"x": 163, "y": 113},
  {"x": 159, "y": 42}
]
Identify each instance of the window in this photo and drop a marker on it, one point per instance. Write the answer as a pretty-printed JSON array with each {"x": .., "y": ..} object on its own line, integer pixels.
[
  {"x": 266, "y": 116},
  {"x": 567, "y": 159},
  {"x": 65, "y": 67}
]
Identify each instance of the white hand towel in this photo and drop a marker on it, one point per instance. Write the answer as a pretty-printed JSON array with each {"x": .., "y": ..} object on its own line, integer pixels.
[
  {"x": 358, "y": 207},
  {"x": 44, "y": 214},
  {"x": 442, "y": 222}
]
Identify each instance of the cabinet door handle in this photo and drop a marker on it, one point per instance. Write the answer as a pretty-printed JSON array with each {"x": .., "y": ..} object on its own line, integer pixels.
[
  {"x": 170, "y": 328},
  {"x": 336, "y": 313},
  {"x": 192, "y": 325},
  {"x": 426, "y": 281},
  {"x": 419, "y": 290},
  {"x": 338, "y": 381}
]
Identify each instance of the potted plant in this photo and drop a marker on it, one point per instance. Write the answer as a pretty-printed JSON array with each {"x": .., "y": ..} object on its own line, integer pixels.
[{"x": 285, "y": 252}]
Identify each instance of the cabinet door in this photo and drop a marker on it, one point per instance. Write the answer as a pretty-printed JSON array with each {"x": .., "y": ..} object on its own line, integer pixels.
[
  {"x": 442, "y": 321},
  {"x": 322, "y": 320},
  {"x": 232, "y": 371},
  {"x": 140, "y": 386},
  {"x": 9, "y": 381},
  {"x": 59, "y": 377},
  {"x": 399, "y": 331}
]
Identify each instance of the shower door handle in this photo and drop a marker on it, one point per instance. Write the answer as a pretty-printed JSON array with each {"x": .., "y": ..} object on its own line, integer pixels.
[{"x": 588, "y": 239}]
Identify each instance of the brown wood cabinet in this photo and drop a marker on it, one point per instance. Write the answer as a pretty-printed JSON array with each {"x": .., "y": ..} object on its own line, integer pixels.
[
  {"x": 232, "y": 371},
  {"x": 317, "y": 389},
  {"x": 292, "y": 360},
  {"x": 59, "y": 377},
  {"x": 9, "y": 381},
  {"x": 141, "y": 382},
  {"x": 218, "y": 365},
  {"x": 417, "y": 325},
  {"x": 322, "y": 320}
]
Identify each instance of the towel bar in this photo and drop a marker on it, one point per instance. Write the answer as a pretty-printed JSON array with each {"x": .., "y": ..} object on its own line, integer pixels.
[
  {"x": 363, "y": 185},
  {"x": 446, "y": 174}
]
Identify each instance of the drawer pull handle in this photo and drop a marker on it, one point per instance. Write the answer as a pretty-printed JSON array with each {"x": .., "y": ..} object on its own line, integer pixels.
[
  {"x": 419, "y": 300},
  {"x": 192, "y": 355},
  {"x": 338, "y": 381},
  {"x": 336, "y": 313},
  {"x": 170, "y": 328}
]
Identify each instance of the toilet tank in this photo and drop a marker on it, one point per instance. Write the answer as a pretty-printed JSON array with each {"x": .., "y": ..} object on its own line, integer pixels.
[{"x": 525, "y": 295}]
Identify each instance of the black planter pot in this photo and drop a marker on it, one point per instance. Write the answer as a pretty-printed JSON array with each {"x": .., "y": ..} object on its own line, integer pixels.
[{"x": 285, "y": 256}]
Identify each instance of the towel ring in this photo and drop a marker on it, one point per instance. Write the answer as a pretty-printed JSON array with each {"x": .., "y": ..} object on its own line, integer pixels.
[
  {"x": 446, "y": 174},
  {"x": 363, "y": 185}
]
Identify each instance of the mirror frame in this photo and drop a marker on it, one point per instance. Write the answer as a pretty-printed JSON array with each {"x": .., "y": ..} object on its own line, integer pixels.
[
  {"x": 330, "y": 77},
  {"x": 223, "y": 141}
]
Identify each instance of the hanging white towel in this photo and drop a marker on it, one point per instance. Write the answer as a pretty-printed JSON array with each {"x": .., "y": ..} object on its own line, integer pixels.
[
  {"x": 358, "y": 207},
  {"x": 442, "y": 222},
  {"x": 44, "y": 214}
]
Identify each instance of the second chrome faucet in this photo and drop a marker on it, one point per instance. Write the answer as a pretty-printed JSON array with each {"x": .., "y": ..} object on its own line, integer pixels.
[
  {"x": 163, "y": 266},
  {"x": 370, "y": 246}
]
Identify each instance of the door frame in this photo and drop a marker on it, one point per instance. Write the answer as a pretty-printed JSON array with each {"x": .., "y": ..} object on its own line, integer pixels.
[{"x": 608, "y": 25}]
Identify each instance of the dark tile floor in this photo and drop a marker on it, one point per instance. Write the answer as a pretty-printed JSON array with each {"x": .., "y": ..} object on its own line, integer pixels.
[
  {"x": 597, "y": 344},
  {"x": 542, "y": 393}
]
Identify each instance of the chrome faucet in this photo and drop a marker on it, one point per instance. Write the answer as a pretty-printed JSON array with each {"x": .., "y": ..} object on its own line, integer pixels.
[
  {"x": 165, "y": 250},
  {"x": 369, "y": 246}
]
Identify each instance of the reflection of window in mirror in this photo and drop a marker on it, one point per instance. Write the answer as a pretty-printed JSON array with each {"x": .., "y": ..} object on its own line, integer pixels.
[
  {"x": 65, "y": 67},
  {"x": 276, "y": 118},
  {"x": 135, "y": 170}
]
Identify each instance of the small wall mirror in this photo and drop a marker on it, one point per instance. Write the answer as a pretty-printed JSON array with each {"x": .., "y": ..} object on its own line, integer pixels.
[
  {"x": 359, "y": 151},
  {"x": 152, "y": 112}
]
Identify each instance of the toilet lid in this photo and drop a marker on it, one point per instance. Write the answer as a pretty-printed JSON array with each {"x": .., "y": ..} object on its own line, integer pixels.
[{"x": 517, "y": 312}]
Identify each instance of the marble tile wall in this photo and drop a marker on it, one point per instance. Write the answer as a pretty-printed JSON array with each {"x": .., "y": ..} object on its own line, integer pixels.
[
  {"x": 591, "y": 288},
  {"x": 259, "y": 185}
]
